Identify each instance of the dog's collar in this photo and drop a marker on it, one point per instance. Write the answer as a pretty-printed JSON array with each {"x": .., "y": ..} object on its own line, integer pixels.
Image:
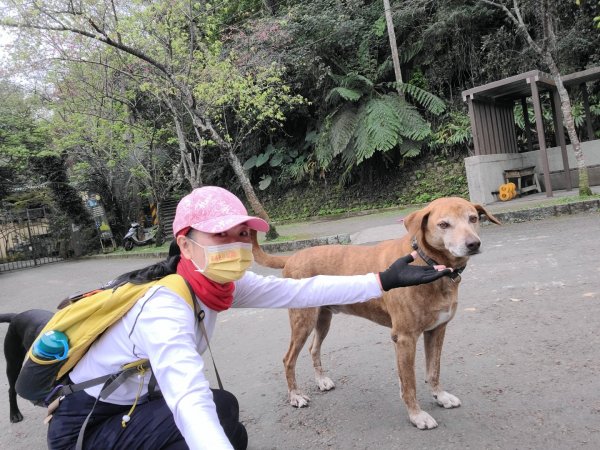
[{"x": 430, "y": 262}]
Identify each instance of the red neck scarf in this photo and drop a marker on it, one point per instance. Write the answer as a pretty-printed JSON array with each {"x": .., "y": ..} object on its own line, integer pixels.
[{"x": 216, "y": 296}]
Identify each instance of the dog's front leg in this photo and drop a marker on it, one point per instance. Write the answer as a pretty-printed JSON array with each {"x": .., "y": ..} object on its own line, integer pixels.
[
  {"x": 434, "y": 340},
  {"x": 406, "y": 346}
]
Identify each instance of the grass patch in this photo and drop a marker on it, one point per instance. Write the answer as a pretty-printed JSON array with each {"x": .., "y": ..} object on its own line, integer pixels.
[
  {"x": 281, "y": 238},
  {"x": 554, "y": 202}
]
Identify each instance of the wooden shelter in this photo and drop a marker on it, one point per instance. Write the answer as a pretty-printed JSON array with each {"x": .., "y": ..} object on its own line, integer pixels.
[{"x": 492, "y": 120}]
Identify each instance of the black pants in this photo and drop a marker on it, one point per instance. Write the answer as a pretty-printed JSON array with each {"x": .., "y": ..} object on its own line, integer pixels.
[{"x": 151, "y": 427}]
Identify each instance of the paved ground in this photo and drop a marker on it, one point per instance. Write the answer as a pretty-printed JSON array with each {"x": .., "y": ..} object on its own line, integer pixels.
[{"x": 523, "y": 352}]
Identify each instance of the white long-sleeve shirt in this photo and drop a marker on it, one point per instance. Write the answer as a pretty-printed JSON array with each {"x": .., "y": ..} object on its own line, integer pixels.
[{"x": 162, "y": 327}]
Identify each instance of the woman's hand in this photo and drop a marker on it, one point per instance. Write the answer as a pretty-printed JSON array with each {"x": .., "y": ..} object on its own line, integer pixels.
[{"x": 401, "y": 274}]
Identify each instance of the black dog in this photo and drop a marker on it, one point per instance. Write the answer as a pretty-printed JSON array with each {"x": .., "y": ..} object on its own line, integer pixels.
[{"x": 22, "y": 331}]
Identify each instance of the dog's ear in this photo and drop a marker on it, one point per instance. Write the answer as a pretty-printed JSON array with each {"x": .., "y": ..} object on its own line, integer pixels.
[
  {"x": 483, "y": 212},
  {"x": 416, "y": 220}
]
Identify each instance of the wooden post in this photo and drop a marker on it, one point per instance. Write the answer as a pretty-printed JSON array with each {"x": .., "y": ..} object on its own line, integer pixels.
[
  {"x": 474, "y": 130},
  {"x": 539, "y": 125}
]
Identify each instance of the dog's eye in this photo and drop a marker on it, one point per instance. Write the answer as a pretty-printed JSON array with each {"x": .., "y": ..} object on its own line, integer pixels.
[
  {"x": 443, "y": 225},
  {"x": 473, "y": 219}
]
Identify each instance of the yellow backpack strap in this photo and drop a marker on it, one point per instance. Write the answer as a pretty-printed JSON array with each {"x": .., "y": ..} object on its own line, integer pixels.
[{"x": 177, "y": 284}]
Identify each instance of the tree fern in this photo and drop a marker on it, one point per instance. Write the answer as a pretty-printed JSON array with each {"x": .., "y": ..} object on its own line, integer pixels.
[
  {"x": 408, "y": 52},
  {"x": 384, "y": 68},
  {"x": 410, "y": 123},
  {"x": 410, "y": 149},
  {"x": 432, "y": 103},
  {"x": 323, "y": 150},
  {"x": 342, "y": 129},
  {"x": 341, "y": 93},
  {"x": 367, "y": 121},
  {"x": 378, "y": 128},
  {"x": 356, "y": 81}
]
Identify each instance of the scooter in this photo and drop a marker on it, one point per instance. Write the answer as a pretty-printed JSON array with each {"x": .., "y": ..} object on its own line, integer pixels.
[{"x": 138, "y": 235}]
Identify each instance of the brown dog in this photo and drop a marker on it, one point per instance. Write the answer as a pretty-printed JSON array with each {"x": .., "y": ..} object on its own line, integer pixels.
[{"x": 444, "y": 232}]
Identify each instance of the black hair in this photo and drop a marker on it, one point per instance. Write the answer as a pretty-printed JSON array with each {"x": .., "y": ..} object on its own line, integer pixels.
[{"x": 150, "y": 273}]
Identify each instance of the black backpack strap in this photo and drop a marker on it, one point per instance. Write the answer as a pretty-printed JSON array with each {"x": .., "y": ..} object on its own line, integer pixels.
[
  {"x": 200, "y": 316},
  {"x": 80, "y": 436},
  {"x": 209, "y": 349},
  {"x": 111, "y": 381}
]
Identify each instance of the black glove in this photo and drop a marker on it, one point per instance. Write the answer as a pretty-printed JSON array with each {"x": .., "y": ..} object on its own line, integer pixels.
[{"x": 400, "y": 274}]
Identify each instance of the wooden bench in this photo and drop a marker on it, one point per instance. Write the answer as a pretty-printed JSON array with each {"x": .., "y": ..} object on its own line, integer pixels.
[{"x": 525, "y": 179}]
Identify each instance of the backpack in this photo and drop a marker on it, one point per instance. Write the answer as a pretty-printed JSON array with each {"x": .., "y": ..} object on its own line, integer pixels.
[{"x": 83, "y": 321}]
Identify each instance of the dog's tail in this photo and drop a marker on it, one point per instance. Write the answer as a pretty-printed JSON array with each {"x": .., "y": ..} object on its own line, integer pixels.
[
  {"x": 264, "y": 259},
  {"x": 4, "y": 318}
]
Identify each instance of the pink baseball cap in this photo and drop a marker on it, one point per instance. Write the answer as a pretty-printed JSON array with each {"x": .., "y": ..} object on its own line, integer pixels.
[{"x": 212, "y": 209}]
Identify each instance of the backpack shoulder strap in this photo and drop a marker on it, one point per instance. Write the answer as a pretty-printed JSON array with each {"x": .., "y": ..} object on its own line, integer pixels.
[{"x": 177, "y": 284}]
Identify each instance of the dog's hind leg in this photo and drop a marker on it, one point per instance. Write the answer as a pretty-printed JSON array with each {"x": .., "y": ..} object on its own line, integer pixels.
[
  {"x": 433, "y": 341},
  {"x": 321, "y": 329},
  {"x": 302, "y": 322},
  {"x": 14, "y": 354}
]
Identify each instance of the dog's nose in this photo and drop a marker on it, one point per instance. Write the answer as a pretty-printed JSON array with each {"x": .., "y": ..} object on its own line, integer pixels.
[{"x": 473, "y": 245}]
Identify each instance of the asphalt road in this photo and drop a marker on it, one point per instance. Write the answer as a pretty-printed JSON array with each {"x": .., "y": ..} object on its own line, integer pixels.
[{"x": 522, "y": 354}]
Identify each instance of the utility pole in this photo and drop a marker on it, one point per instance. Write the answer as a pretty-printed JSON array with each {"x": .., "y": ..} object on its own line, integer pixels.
[{"x": 390, "y": 28}]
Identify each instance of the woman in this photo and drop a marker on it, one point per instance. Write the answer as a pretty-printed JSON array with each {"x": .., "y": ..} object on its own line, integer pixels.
[{"x": 212, "y": 253}]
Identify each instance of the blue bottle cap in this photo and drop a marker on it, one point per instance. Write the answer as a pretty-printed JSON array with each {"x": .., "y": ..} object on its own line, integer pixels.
[{"x": 52, "y": 345}]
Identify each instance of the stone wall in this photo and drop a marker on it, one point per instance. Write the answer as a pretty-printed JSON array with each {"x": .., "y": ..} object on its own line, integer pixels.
[{"x": 485, "y": 173}]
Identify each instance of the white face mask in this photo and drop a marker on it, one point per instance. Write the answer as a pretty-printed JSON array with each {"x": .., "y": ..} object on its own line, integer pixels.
[{"x": 225, "y": 263}]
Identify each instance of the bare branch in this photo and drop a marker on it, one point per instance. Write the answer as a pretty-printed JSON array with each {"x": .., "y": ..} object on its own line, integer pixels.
[
  {"x": 517, "y": 19},
  {"x": 98, "y": 37}
]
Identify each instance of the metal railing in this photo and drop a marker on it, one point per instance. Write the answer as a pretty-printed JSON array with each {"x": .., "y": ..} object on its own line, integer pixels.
[{"x": 26, "y": 239}]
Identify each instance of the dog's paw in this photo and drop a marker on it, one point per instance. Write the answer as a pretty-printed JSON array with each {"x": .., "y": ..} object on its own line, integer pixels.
[
  {"x": 446, "y": 400},
  {"x": 16, "y": 417},
  {"x": 423, "y": 421},
  {"x": 298, "y": 399},
  {"x": 325, "y": 383}
]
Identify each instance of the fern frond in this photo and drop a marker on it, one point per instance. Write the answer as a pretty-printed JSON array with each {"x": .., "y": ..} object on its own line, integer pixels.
[
  {"x": 378, "y": 128},
  {"x": 410, "y": 123},
  {"x": 341, "y": 93},
  {"x": 432, "y": 103},
  {"x": 323, "y": 151},
  {"x": 407, "y": 53},
  {"x": 410, "y": 149},
  {"x": 384, "y": 68},
  {"x": 343, "y": 125},
  {"x": 355, "y": 81}
]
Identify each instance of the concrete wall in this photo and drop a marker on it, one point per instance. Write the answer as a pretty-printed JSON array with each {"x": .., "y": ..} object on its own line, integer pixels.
[{"x": 485, "y": 173}]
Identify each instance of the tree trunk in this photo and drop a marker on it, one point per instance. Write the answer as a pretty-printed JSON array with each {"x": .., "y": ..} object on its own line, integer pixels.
[
  {"x": 546, "y": 55},
  {"x": 191, "y": 173},
  {"x": 255, "y": 203},
  {"x": 565, "y": 106},
  {"x": 238, "y": 169},
  {"x": 160, "y": 232},
  {"x": 394, "y": 47}
]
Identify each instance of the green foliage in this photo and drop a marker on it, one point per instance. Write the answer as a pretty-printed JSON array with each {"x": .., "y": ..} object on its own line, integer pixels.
[
  {"x": 430, "y": 102},
  {"x": 368, "y": 119},
  {"x": 453, "y": 133},
  {"x": 419, "y": 181},
  {"x": 241, "y": 103},
  {"x": 302, "y": 92},
  {"x": 21, "y": 135},
  {"x": 37, "y": 173},
  {"x": 278, "y": 157}
]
